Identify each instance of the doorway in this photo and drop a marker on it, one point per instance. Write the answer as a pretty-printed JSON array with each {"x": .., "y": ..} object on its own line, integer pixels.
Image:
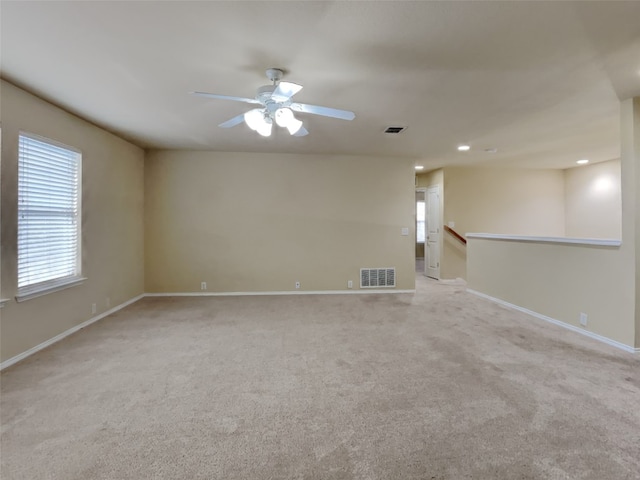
[
  {"x": 432, "y": 241},
  {"x": 421, "y": 231}
]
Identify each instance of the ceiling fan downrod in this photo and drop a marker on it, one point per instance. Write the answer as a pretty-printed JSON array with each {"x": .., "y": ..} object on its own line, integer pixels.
[{"x": 274, "y": 74}]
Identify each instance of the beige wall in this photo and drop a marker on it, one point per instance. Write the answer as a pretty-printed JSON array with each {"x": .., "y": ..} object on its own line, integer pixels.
[
  {"x": 593, "y": 201},
  {"x": 429, "y": 179},
  {"x": 630, "y": 176},
  {"x": 508, "y": 201},
  {"x": 559, "y": 281},
  {"x": 247, "y": 222},
  {"x": 578, "y": 202},
  {"x": 112, "y": 222}
]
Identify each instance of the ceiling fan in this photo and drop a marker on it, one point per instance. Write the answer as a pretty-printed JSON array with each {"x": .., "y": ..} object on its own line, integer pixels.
[{"x": 276, "y": 106}]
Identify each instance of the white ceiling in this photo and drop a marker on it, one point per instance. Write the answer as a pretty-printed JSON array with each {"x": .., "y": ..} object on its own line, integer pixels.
[{"x": 539, "y": 81}]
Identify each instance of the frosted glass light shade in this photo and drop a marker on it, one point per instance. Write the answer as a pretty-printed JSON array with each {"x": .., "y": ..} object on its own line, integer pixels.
[
  {"x": 265, "y": 128},
  {"x": 284, "y": 116},
  {"x": 254, "y": 119},
  {"x": 294, "y": 125}
]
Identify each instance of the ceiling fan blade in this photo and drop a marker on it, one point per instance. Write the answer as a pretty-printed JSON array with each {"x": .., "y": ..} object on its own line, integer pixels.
[
  {"x": 233, "y": 122},
  {"x": 285, "y": 90},
  {"x": 225, "y": 97},
  {"x": 324, "y": 111},
  {"x": 301, "y": 133}
]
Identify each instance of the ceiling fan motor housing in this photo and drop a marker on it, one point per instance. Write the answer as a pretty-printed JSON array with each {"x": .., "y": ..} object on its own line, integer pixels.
[{"x": 264, "y": 93}]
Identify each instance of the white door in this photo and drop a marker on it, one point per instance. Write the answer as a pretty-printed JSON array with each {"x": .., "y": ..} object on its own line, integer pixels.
[{"x": 432, "y": 247}]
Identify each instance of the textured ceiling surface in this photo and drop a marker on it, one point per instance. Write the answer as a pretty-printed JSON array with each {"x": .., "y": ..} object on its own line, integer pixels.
[{"x": 539, "y": 81}]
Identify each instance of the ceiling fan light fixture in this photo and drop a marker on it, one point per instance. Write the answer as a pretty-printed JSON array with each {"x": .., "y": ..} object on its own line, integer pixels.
[
  {"x": 265, "y": 128},
  {"x": 284, "y": 116},
  {"x": 254, "y": 119},
  {"x": 294, "y": 126}
]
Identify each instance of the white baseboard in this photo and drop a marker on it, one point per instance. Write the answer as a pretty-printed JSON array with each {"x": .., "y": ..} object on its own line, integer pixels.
[
  {"x": 568, "y": 326},
  {"x": 278, "y": 292},
  {"x": 57, "y": 338}
]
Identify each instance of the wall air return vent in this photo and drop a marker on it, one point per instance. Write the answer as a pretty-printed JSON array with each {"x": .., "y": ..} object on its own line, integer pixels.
[
  {"x": 394, "y": 129},
  {"x": 377, "y": 277}
]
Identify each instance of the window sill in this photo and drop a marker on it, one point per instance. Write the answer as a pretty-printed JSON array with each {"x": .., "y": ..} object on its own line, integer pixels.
[
  {"x": 31, "y": 292},
  {"x": 3, "y": 301}
]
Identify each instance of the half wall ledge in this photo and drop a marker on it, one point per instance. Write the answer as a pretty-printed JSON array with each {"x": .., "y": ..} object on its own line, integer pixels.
[
  {"x": 601, "y": 242},
  {"x": 586, "y": 283}
]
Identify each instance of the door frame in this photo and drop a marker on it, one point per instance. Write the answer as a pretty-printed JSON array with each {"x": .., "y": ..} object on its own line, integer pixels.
[
  {"x": 428, "y": 221},
  {"x": 415, "y": 222}
]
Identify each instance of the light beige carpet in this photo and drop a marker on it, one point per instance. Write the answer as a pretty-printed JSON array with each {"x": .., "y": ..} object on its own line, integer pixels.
[{"x": 437, "y": 385}]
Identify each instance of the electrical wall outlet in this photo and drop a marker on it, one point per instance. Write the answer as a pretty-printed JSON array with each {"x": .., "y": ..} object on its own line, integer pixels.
[
  {"x": 297, "y": 285},
  {"x": 93, "y": 308},
  {"x": 583, "y": 319},
  {"x": 203, "y": 285},
  {"x": 350, "y": 284}
]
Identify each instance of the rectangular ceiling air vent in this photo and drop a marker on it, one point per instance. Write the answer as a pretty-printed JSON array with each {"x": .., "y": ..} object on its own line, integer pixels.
[
  {"x": 377, "y": 277},
  {"x": 394, "y": 129}
]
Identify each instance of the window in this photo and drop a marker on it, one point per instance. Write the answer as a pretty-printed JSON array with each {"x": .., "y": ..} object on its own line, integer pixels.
[
  {"x": 420, "y": 222},
  {"x": 49, "y": 248}
]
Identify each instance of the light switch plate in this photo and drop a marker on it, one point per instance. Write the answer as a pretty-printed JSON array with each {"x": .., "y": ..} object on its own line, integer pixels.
[{"x": 405, "y": 231}]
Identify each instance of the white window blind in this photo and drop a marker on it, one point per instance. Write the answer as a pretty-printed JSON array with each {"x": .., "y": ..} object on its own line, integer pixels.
[{"x": 48, "y": 214}]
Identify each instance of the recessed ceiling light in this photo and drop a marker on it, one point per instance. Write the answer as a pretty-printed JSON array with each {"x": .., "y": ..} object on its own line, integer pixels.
[
  {"x": 419, "y": 167},
  {"x": 582, "y": 162},
  {"x": 464, "y": 148}
]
